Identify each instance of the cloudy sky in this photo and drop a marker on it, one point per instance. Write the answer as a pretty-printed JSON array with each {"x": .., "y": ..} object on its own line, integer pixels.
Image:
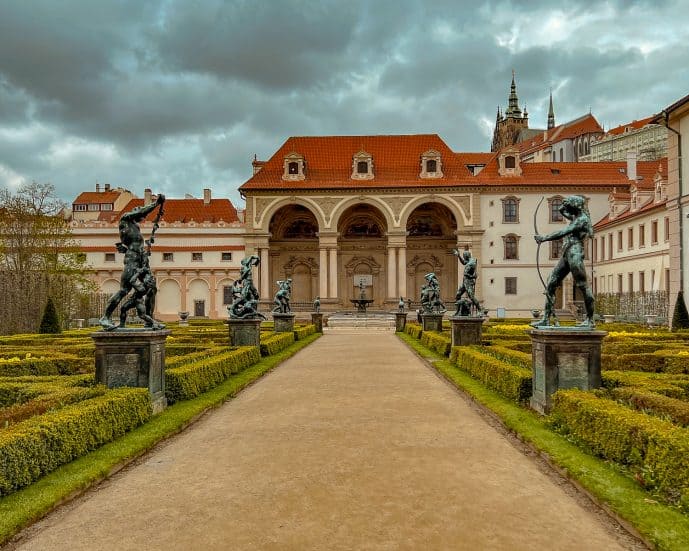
[{"x": 179, "y": 95}]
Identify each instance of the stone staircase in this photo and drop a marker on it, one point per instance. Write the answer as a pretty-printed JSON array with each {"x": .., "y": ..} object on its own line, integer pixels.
[{"x": 350, "y": 321}]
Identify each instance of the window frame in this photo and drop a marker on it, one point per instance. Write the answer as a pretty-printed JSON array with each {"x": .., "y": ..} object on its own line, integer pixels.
[
  {"x": 510, "y": 285},
  {"x": 197, "y": 256},
  {"x": 509, "y": 200},
  {"x": 223, "y": 254},
  {"x": 508, "y": 241},
  {"x": 170, "y": 258},
  {"x": 109, "y": 257}
]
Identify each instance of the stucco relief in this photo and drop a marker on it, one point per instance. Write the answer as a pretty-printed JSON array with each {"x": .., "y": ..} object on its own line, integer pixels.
[
  {"x": 396, "y": 205},
  {"x": 357, "y": 260},
  {"x": 424, "y": 259},
  {"x": 294, "y": 261},
  {"x": 464, "y": 203},
  {"x": 327, "y": 205},
  {"x": 260, "y": 205}
]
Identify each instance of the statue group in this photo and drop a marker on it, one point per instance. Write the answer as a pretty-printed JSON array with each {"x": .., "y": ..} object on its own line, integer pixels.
[
  {"x": 244, "y": 293},
  {"x": 137, "y": 277},
  {"x": 282, "y": 297},
  {"x": 430, "y": 296}
]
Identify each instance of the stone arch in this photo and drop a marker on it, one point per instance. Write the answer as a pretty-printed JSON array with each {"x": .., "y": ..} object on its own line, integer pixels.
[
  {"x": 457, "y": 210},
  {"x": 267, "y": 215},
  {"x": 198, "y": 290},
  {"x": 304, "y": 273},
  {"x": 431, "y": 220},
  {"x": 291, "y": 222},
  {"x": 169, "y": 297},
  {"x": 110, "y": 286},
  {"x": 377, "y": 204}
]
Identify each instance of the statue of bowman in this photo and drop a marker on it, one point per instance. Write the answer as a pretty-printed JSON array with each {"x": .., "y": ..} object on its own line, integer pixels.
[{"x": 572, "y": 261}]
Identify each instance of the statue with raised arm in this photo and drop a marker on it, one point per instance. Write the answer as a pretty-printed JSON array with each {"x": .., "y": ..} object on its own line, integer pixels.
[
  {"x": 244, "y": 294},
  {"x": 572, "y": 261},
  {"x": 282, "y": 297},
  {"x": 137, "y": 273},
  {"x": 468, "y": 286},
  {"x": 430, "y": 295}
]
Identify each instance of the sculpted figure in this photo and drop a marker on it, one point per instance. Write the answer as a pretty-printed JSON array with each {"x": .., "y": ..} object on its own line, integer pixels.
[
  {"x": 401, "y": 304},
  {"x": 244, "y": 294},
  {"x": 430, "y": 295},
  {"x": 136, "y": 268},
  {"x": 572, "y": 261},
  {"x": 317, "y": 304},
  {"x": 282, "y": 297},
  {"x": 468, "y": 281}
]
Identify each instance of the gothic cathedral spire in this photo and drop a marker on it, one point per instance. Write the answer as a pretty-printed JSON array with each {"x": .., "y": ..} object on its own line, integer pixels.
[
  {"x": 513, "y": 110},
  {"x": 551, "y": 113}
]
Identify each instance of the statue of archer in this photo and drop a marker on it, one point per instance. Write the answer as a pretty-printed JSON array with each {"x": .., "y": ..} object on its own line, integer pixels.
[{"x": 136, "y": 274}]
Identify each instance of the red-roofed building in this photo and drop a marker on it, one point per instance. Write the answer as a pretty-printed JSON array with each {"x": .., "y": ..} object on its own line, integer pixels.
[
  {"x": 195, "y": 257},
  {"x": 90, "y": 204},
  {"x": 644, "y": 138},
  {"x": 331, "y": 211}
]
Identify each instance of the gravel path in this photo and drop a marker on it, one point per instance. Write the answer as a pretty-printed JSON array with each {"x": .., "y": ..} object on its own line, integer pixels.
[{"x": 354, "y": 443}]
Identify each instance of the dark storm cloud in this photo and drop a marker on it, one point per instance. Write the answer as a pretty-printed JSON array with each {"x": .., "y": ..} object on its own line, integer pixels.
[{"x": 178, "y": 95}]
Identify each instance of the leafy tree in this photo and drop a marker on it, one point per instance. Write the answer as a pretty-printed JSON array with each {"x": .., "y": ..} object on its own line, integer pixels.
[
  {"x": 50, "y": 322},
  {"x": 38, "y": 258},
  {"x": 680, "y": 317}
]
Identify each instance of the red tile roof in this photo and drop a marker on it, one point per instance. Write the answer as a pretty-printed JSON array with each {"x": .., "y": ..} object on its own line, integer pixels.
[
  {"x": 185, "y": 210},
  {"x": 586, "y": 124},
  {"x": 328, "y": 160},
  {"x": 635, "y": 125},
  {"x": 627, "y": 214},
  {"x": 90, "y": 197}
]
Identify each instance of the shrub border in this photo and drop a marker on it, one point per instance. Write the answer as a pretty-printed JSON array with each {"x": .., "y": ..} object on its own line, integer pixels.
[
  {"x": 26, "y": 506},
  {"x": 659, "y": 526}
]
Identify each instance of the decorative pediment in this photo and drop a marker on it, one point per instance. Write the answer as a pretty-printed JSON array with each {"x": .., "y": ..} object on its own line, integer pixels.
[
  {"x": 424, "y": 259},
  {"x": 362, "y": 166},
  {"x": 431, "y": 164},
  {"x": 294, "y": 167},
  {"x": 356, "y": 261},
  {"x": 295, "y": 261}
]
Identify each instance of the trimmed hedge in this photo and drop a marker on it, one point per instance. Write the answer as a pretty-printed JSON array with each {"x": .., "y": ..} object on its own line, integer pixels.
[
  {"x": 656, "y": 449},
  {"x": 39, "y": 445},
  {"x": 512, "y": 381},
  {"x": 277, "y": 342},
  {"x": 413, "y": 330},
  {"x": 304, "y": 331},
  {"x": 675, "y": 410},
  {"x": 177, "y": 361},
  {"x": 439, "y": 342},
  {"x": 192, "y": 379},
  {"x": 674, "y": 386},
  {"x": 661, "y": 361},
  {"x": 55, "y": 364},
  {"x": 509, "y": 355}
]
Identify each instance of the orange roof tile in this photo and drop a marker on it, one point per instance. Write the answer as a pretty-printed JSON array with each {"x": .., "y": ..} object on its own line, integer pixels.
[
  {"x": 587, "y": 124},
  {"x": 185, "y": 210},
  {"x": 90, "y": 197},
  {"x": 633, "y": 125},
  {"x": 627, "y": 214}
]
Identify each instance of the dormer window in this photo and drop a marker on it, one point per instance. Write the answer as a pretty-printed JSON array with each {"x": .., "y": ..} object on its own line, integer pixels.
[
  {"x": 293, "y": 167},
  {"x": 508, "y": 163},
  {"x": 362, "y": 166},
  {"x": 431, "y": 164}
]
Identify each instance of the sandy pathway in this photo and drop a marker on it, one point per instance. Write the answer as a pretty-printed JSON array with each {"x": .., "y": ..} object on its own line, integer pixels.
[{"x": 352, "y": 444}]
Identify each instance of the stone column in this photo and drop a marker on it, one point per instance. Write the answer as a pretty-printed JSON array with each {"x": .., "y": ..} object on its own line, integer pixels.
[
  {"x": 392, "y": 272},
  {"x": 265, "y": 272},
  {"x": 323, "y": 273},
  {"x": 332, "y": 272},
  {"x": 213, "y": 288},
  {"x": 183, "y": 293},
  {"x": 402, "y": 271}
]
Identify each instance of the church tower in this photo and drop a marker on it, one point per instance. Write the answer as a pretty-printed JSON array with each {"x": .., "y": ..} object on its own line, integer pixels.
[
  {"x": 551, "y": 113},
  {"x": 507, "y": 128}
]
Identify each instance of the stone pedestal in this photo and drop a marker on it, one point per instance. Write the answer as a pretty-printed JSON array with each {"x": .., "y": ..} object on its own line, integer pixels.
[
  {"x": 133, "y": 357},
  {"x": 284, "y": 323},
  {"x": 466, "y": 330},
  {"x": 245, "y": 332},
  {"x": 561, "y": 359},
  {"x": 317, "y": 320},
  {"x": 432, "y": 322},
  {"x": 400, "y": 321}
]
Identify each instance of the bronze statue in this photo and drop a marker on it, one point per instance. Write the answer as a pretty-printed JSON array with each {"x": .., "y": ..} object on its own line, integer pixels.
[
  {"x": 572, "y": 261},
  {"x": 430, "y": 296},
  {"x": 317, "y": 304},
  {"x": 244, "y": 293},
  {"x": 468, "y": 281},
  {"x": 282, "y": 297},
  {"x": 137, "y": 273}
]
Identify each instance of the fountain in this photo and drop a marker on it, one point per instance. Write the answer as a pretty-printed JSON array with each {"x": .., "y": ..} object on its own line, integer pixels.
[{"x": 362, "y": 302}]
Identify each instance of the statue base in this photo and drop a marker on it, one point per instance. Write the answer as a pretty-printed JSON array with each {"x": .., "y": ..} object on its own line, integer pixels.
[
  {"x": 466, "y": 330},
  {"x": 400, "y": 321},
  {"x": 134, "y": 358},
  {"x": 564, "y": 359},
  {"x": 432, "y": 322},
  {"x": 283, "y": 323},
  {"x": 317, "y": 320},
  {"x": 245, "y": 332}
]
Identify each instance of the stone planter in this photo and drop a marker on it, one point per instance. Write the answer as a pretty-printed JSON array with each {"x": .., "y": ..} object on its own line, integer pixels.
[
  {"x": 432, "y": 322},
  {"x": 609, "y": 318},
  {"x": 183, "y": 317},
  {"x": 245, "y": 332},
  {"x": 283, "y": 323},
  {"x": 466, "y": 330}
]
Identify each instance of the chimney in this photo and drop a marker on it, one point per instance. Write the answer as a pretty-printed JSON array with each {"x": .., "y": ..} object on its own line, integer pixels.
[
  {"x": 107, "y": 187},
  {"x": 631, "y": 165},
  {"x": 206, "y": 196},
  {"x": 148, "y": 196},
  {"x": 97, "y": 187}
]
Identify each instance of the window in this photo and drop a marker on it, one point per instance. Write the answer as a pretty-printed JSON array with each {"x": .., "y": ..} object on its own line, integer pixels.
[
  {"x": 226, "y": 257},
  {"x": 227, "y": 294},
  {"x": 560, "y": 155},
  {"x": 168, "y": 257},
  {"x": 431, "y": 165},
  {"x": 630, "y": 238},
  {"x": 555, "y": 214},
  {"x": 555, "y": 249},
  {"x": 106, "y": 206},
  {"x": 510, "y": 285},
  {"x": 602, "y": 248},
  {"x": 654, "y": 232},
  {"x": 630, "y": 280},
  {"x": 196, "y": 257},
  {"x": 293, "y": 168},
  {"x": 511, "y": 250},
  {"x": 667, "y": 229},
  {"x": 619, "y": 240},
  {"x": 510, "y": 162},
  {"x": 667, "y": 280},
  {"x": 619, "y": 283},
  {"x": 642, "y": 282},
  {"x": 653, "y": 279},
  {"x": 362, "y": 167},
  {"x": 609, "y": 246},
  {"x": 79, "y": 208},
  {"x": 94, "y": 206},
  {"x": 510, "y": 210},
  {"x": 642, "y": 235},
  {"x": 110, "y": 257}
]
